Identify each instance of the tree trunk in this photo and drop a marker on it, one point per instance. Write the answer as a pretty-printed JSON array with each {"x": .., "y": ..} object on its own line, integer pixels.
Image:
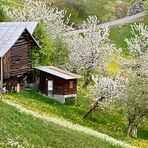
[
  {"x": 129, "y": 130},
  {"x": 87, "y": 80},
  {"x": 134, "y": 120},
  {"x": 93, "y": 107},
  {"x": 132, "y": 130}
]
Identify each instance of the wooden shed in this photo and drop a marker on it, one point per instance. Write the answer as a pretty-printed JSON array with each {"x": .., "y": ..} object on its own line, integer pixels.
[
  {"x": 16, "y": 42},
  {"x": 57, "y": 83}
]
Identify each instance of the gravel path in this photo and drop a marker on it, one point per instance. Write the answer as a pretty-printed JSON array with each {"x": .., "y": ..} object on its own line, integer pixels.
[
  {"x": 122, "y": 21},
  {"x": 68, "y": 124}
]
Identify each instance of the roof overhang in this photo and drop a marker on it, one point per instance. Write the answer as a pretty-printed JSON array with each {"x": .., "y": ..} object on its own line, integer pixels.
[
  {"x": 58, "y": 72},
  {"x": 10, "y": 32},
  {"x": 34, "y": 40}
]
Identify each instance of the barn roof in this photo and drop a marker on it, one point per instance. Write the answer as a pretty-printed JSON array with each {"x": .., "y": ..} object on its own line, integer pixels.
[
  {"x": 11, "y": 31},
  {"x": 58, "y": 72}
]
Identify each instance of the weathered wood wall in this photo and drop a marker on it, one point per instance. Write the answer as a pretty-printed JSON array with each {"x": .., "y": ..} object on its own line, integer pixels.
[
  {"x": 60, "y": 86},
  {"x": 16, "y": 61}
]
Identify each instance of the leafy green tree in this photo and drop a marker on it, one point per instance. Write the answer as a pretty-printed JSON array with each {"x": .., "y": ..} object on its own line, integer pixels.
[
  {"x": 3, "y": 16},
  {"x": 53, "y": 52},
  {"x": 43, "y": 55},
  {"x": 60, "y": 53}
]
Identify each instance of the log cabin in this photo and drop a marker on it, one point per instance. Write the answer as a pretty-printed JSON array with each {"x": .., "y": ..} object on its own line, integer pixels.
[
  {"x": 57, "y": 83},
  {"x": 16, "y": 42}
]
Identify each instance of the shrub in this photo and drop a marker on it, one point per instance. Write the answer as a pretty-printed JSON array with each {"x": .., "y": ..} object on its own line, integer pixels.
[
  {"x": 3, "y": 16},
  {"x": 70, "y": 101},
  {"x": 121, "y": 10}
]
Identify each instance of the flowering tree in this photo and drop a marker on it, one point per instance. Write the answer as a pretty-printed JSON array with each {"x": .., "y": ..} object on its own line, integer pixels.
[
  {"x": 48, "y": 17},
  {"x": 106, "y": 90},
  {"x": 132, "y": 94},
  {"x": 137, "y": 101},
  {"x": 90, "y": 50},
  {"x": 38, "y": 10}
]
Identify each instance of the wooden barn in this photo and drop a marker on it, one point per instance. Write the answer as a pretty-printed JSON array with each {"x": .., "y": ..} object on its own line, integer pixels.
[
  {"x": 16, "y": 42},
  {"x": 57, "y": 83}
]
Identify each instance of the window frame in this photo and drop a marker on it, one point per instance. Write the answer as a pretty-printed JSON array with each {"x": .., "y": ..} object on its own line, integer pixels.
[{"x": 71, "y": 84}]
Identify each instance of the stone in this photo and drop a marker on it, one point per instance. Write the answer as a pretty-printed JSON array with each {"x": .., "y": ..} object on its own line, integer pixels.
[{"x": 137, "y": 7}]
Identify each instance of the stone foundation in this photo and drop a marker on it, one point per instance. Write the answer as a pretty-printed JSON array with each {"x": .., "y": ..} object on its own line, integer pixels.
[{"x": 61, "y": 98}]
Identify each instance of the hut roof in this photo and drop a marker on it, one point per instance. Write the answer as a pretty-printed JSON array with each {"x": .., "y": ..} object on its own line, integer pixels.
[
  {"x": 58, "y": 72},
  {"x": 11, "y": 31}
]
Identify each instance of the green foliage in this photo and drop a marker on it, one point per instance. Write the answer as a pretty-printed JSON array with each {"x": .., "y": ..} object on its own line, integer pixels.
[
  {"x": 77, "y": 9},
  {"x": 52, "y": 52},
  {"x": 3, "y": 16},
  {"x": 105, "y": 10},
  {"x": 21, "y": 130},
  {"x": 43, "y": 56},
  {"x": 121, "y": 10},
  {"x": 119, "y": 33},
  {"x": 110, "y": 122},
  {"x": 70, "y": 101},
  {"x": 145, "y": 20},
  {"x": 59, "y": 53},
  {"x": 146, "y": 5}
]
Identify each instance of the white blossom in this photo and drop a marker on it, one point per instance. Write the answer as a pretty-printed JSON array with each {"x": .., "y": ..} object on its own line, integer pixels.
[
  {"x": 39, "y": 10},
  {"x": 138, "y": 44},
  {"x": 91, "y": 23},
  {"x": 105, "y": 91},
  {"x": 91, "y": 49},
  {"x": 136, "y": 67},
  {"x": 110, "y": 89}
]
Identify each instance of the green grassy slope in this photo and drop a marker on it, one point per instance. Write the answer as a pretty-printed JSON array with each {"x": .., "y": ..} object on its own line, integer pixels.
[
  {"x": 20, "y": 130},
  {"x": 110, "y": 123},
  {"x": 12, "y": 3},
  {"x": 119, "y": 33}
]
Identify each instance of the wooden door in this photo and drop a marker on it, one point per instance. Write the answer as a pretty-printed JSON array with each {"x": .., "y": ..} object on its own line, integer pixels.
[{"x": 50, "y": 88}]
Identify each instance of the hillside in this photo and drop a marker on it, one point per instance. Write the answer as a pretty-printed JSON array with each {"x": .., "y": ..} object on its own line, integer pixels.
[
  {"x": 20, "y": 130},
  {"x": 106, "y": 10},
  {"x": 119, "y": 33},
  {"x": 100, "y": 75},
  {"x": 108, "y": 122}
]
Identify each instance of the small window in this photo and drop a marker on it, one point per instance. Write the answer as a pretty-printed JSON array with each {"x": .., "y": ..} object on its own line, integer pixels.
[
  {"x": 71, "y": 85},
  {"x": 17, "y": 61}
]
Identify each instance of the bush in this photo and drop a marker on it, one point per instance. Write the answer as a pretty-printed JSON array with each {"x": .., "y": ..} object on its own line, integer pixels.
[
  {"x": 70, "y": 101},
  {"x": 3, "y": 16},
  {"x": 121, "y": 10}
]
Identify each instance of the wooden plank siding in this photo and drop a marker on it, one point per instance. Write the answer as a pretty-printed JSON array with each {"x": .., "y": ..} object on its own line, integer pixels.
[
  {"x": 16, "y": 61},
  {"x": 60, "y": 86}
]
